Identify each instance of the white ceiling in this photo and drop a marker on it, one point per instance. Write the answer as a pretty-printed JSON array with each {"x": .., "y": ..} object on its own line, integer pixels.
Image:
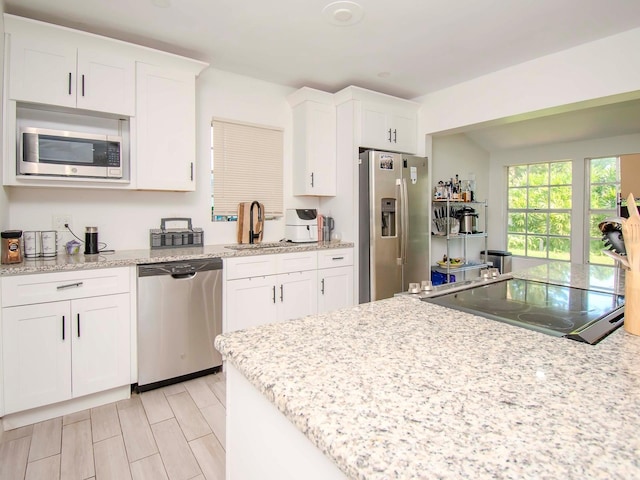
[{"x": 404, "y": 48}]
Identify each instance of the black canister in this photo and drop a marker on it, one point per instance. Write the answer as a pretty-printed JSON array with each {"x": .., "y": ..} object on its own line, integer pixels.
[{"x": 91, "y": 241}]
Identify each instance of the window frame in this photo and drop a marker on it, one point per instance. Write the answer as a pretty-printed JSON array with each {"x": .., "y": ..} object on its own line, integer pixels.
[{"x": 548, "y": 211}]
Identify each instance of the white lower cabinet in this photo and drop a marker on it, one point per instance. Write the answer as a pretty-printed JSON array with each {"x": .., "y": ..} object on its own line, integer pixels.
[
  {"x": 270, "y": 288},
  {"x": 260, "y": 300},
  {"x": 336, "y": 288},
  {"x": 284, "y": 289},
  {"x": 60, "y": 350},
  {"x": 335, "y": 279}
]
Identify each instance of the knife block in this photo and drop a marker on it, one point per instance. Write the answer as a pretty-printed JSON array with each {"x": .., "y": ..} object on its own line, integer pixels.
[{"x": 632, "y": 302}]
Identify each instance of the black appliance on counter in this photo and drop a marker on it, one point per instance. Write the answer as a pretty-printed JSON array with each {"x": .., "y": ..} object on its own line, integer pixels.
[{"x": 558, "y": 310}]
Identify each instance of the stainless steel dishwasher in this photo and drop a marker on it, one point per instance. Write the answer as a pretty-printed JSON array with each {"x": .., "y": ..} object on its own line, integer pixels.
[{"x": 179, "y": 315}]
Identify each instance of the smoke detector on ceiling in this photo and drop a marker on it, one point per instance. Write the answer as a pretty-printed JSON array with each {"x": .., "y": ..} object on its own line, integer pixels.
[{"x": 343, "y": 13}]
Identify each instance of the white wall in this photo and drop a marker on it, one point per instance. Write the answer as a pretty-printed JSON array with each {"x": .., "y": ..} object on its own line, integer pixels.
[
  {"x": 458, "y": 154},
  {"x": 575, "y": 151},
  {"x": 595, "y": 73},
  {"x": 587, "y": 73},
  {"x": 125, "y": 217},
  {"x": 4, "y": 199}
]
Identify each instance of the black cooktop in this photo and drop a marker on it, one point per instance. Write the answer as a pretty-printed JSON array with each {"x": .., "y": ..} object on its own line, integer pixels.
[{"x": 562, "y": 311}]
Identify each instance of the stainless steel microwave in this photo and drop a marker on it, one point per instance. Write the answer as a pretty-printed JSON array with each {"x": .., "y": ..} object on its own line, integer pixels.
[{"x": 69, "y": 154}]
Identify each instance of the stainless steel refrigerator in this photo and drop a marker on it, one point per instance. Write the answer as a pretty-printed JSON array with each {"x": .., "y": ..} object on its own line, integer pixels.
[{"x": 394, "y": 235}]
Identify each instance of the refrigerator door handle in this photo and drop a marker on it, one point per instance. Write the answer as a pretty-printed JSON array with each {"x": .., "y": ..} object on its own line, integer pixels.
[
  {"x": 404, "y": 221},
  {"x": 400, "y": 222}
]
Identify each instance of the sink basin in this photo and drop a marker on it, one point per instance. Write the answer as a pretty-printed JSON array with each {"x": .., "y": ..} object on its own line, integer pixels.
[{"x": 258, "y": 246}]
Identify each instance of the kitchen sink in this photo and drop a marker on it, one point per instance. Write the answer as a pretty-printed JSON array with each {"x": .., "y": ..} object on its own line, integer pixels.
[{"x": 258, "y": 246}]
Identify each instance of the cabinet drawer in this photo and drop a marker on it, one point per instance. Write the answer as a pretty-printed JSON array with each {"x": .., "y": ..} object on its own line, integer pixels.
[
  {"x": 251, "y": 266},
  {"x": 51, "y": 287},
  {"x": 335, "y": 258},
  {"x": 297, "y": 262}
]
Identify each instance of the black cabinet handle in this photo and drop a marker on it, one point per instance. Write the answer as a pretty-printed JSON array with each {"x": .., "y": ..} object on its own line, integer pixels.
[
  {"x": 63, "y": 327},
  {"x": 395, "y": 136},
  {"x": 274, "y": 294},
  {"x": 83, "y": 85},
  {"x": 281, "y": 293},
  {"x": 389, "y": 135},
  {"x": 192, "y": 171},
  {"x": 312, "y": 179},
  {"x": 337, "y": 258},
  {"x": 69, "y": 83},
  {"x": 322, "y": 288},
  {"x": 78, "y": 325}
]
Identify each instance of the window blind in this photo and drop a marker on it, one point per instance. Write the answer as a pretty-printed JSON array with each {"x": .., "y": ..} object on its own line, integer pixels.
[{"x": 247, "y": 166}]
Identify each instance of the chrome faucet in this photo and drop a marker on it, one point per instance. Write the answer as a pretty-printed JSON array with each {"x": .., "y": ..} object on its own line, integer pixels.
[{"x": 253, "y": 236}]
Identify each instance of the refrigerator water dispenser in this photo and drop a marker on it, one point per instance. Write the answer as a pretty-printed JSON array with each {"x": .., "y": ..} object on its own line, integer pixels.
[{"x": 388, "y": 209}]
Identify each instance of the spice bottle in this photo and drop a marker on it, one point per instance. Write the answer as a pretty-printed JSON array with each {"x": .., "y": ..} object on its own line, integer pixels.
[{"x": 10, "y": 250}]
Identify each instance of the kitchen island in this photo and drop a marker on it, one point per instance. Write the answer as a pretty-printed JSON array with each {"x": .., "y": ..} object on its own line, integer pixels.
[{"x": 400, "y": 388}]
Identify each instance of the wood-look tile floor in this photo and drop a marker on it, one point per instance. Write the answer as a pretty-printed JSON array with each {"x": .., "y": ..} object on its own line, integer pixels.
[{"x": 175, "y": 433}]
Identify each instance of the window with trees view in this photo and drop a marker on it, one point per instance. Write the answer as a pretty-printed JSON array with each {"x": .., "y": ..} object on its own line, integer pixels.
[
  {"x": 604, "y": 186},
  {"x": 539, "y": 210}
]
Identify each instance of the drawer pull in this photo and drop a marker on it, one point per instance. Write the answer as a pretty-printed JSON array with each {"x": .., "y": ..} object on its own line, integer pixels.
[
  {"x": 70, "y": 285},
  {"x": 274, "y": 294},
  {"x": 281, "y": 293},
  {"x": 63, "y": 327},
  {"x": 322, "y": 289},
  {"x": 337, "y": 258},
  {"x": 78, "y": 325}
]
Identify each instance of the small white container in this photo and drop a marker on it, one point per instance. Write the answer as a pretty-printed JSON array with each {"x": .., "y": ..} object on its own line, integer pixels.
[{"x": 49, "y": 243}]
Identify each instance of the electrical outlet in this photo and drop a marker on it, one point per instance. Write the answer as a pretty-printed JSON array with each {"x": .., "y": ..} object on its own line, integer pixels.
[{"x": 58, "y": 222}]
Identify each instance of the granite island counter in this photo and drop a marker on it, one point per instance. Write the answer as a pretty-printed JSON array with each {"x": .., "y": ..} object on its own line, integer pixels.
[{"x": 404, "y": 389}]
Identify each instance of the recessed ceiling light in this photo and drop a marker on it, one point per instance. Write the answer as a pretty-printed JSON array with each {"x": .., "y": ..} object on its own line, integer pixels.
[
  {"x": 343, "y": 13},
  {"x": 161, "y": 3}
]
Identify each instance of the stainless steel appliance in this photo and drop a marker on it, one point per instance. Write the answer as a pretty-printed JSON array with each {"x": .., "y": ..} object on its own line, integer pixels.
[
  {"x": 179, "y": 315},
  {"x": 468, "y": 219},
  {"x": 301, "y": 225},
  {"x": 559, "y": 310},
  {"x": 69, "y": 154},
  {"x": 394, "y": 199}
]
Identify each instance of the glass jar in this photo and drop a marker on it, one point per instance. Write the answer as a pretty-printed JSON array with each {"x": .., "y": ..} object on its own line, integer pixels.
[{"x": 11, "y": 249}]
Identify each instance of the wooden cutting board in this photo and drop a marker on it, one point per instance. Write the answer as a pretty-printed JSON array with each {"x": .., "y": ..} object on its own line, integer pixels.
[{"x": 244, "y": 221}]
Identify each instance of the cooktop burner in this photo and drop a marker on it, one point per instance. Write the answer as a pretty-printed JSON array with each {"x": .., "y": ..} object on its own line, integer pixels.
[{"x": 584, "y": 315}]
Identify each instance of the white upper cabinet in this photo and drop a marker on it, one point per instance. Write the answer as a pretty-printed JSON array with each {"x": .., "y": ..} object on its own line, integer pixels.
[
  {"x": 66, "y": 79},
  {"x": 106, "y": 83},
  {"x": 314, "y": 143},
  {"x": 382, "y": 122},
  {"x": 388, "y": 127},
  {"x": 57, "y": 73},
  {"x": 165, "y": 129}
]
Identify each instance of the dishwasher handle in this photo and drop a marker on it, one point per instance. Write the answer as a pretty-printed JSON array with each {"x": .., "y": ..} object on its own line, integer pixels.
[{"x": 183, "y": 276}]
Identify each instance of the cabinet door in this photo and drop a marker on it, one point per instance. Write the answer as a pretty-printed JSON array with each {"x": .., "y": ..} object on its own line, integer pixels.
[
  {"x": 375, "y": 129},
  {"x": 335, "y": 286},
  {"x": 101, "y": 343},
  {"x": 314, "y": 168},
  {"x": 404, "y": 132},
  {"x": 389, "y": 127},
  {"x": 106, "y": 83},
  {"x": 42, "y": 72},
  {"x": 250, "y": 302},
  {"x": 297, "y": 295},
  {"x": 165, "y": 128},
  {"x": 36, "y": 340}
]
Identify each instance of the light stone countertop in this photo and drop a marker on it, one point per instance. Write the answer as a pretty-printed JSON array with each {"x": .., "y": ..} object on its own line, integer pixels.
[
  {"x": 64, "y": 262},
  {"x": 400, "y": 388}
]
